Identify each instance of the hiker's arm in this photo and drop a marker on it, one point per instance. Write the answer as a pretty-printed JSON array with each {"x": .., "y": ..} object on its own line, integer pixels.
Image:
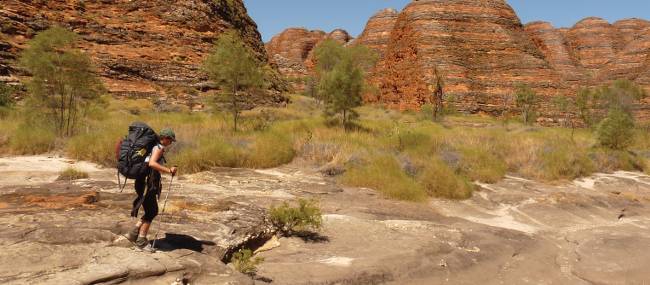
[{"x": 153, "y": 162}]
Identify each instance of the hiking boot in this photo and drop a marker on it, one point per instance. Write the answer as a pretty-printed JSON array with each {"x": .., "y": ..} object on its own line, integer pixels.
[
  {"x": 132, "y": 236},
  {"x": 141, "y": 242}
]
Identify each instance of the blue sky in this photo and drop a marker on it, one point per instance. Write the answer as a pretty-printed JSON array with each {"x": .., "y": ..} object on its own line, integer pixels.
[{"x": 273, "y": 16}]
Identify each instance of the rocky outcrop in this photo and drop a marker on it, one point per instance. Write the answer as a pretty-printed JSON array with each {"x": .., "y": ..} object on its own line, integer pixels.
[
  {"x": 378, "y": 29},
  {"x": 291, "y": 48},
  {"x": 480, "y": 45},
  {"x": 484, "y": 52},
  {"x": 141, "y": 49},
  {"x": 292, "y": 51}
]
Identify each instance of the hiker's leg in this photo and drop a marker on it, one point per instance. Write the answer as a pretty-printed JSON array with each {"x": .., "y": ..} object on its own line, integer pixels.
[
  {"x": 150, "y": 206},
  {"x": 144, "y": 229},
  {"x": 140, "y": 185}
]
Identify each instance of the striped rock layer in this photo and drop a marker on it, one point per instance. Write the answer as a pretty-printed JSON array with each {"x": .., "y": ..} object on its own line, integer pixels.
[{"x": 140, "y": 48}]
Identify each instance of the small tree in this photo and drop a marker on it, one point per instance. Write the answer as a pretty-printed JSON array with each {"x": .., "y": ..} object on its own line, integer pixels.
[
  {"x": 233, "y": 68},
  {"x": 289, "y": 220},
  {"x": 526, "y": 100},
  {"x": 562, "y": 107},
  {"x": 438, "y": 94},
  {"x": 6, "y": 92},
  {"x": 585, "y": 102},
  {"x": 341, "y": 72},
  {"x": 343, "y": 87},
  {"x": 616, "y": 131},
  {"x": 63, "y": 82},
  {"x": 594, "y": 104}
]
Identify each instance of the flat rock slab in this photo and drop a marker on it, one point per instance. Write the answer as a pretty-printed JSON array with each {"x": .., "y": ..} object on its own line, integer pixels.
[{"x": 517, "y": 231}]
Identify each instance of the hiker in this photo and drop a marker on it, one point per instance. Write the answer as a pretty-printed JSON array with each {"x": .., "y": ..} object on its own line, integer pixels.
[{"x": 148, "y": 188}]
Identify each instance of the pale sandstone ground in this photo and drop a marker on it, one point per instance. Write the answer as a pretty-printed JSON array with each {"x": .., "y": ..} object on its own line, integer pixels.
[{"x": 514, "y": 232}]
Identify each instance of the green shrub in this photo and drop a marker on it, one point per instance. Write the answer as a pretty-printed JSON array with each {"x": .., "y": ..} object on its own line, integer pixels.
[
  {"x": 71, "y": 173},
  {"x": 441, "y": 181},
  {"x": 32, "y": 139},
  {"x": 616, "y": 131},
  {"x": 245, "y": 262},
  {"x": 384, "y": 174},
  {"x": 289, "y": 220}
]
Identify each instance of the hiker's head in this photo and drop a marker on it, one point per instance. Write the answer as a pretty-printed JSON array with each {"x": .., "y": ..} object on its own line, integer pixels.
[{"x": 167, "y": 136}]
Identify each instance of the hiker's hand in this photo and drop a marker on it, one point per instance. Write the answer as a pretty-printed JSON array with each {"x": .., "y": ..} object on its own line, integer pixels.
[{"x": 173, "y": 170}]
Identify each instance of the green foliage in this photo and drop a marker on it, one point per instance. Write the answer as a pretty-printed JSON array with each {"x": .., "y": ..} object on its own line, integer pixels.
[
  {"x": 63, "y": 84},
  {"x": 71, "y": 173},
  {"x": 232, "y": 66},
  {"x": 245, "y": 262},
  {"x": 616, "y": 131},
  {"x": 526, "y": 100},
  {"x": 341, "y": 74},
  {"x": 289, "y": 220}
]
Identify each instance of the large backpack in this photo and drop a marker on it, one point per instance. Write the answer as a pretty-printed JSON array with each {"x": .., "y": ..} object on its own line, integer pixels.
[{"x": 134, "y": 149}]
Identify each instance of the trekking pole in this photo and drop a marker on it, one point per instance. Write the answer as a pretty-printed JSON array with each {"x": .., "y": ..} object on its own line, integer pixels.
[{"x": 153, "y": 246}]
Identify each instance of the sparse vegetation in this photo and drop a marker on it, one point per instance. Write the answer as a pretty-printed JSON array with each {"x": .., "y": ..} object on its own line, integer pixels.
[
  {"x": 245, "y": 262},
  {"x": 288, "y": 220},
  {"x": 72, "y": 173}
]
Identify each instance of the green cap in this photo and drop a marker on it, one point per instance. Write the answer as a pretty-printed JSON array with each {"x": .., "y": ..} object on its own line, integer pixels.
[{"x": 168, "y": 133}]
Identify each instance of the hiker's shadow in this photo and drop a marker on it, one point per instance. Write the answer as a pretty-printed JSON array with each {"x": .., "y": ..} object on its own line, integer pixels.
[
  {"x": 312, "y": 237},
  {"x": 173, "y": 242}
]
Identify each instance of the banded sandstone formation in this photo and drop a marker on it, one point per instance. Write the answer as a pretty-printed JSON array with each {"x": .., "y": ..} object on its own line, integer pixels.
[
  {"x": 292, "y": 51},
  {"x": 481, "y": 46},
  {"x": 141, "y": 48},
  {"x": 376, "y": 35}
]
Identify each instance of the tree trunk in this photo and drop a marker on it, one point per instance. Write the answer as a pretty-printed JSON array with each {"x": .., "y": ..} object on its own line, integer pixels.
[{"x": 235, "y": 110}]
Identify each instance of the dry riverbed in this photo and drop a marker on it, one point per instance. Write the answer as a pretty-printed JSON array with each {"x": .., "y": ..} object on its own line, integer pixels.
[{"x": 589, "y": 231}]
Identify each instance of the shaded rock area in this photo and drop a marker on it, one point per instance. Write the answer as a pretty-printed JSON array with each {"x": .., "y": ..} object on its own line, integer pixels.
[
  {"x": 589, "y": 231},
  {"x": 143, "y": 49}
]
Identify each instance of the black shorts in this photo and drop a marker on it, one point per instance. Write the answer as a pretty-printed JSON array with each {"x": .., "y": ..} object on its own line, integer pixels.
[{"x": 148, "y": 190}]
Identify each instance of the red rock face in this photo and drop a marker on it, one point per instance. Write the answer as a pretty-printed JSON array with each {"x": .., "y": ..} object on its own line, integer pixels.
[
  {"x": 292, "y": 51},
  {"x": 553, "y": 44},
  {"x": 594, "y": 42},
  {"x": 141, "y": 48},
  {"x": 484, "y": 52},
  {"x": 594, "y": 51},
  {"x": 400, "y": 76},
  {"x": 482, "y": 48},
  {"x": 377, "y": 33},
  {"x": 291, "y": 48},
  {"x": 340, "y": 36}
]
